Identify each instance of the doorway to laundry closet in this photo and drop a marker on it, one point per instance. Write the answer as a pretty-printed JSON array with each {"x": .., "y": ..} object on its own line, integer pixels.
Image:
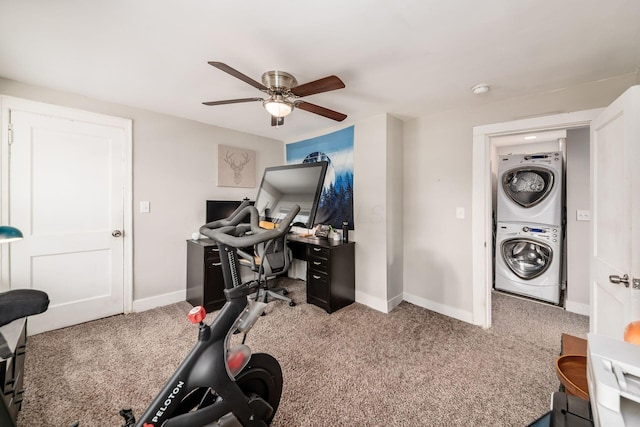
[
  {"x": 540, "y": 222},
  {"x": 482, "y": 197}
]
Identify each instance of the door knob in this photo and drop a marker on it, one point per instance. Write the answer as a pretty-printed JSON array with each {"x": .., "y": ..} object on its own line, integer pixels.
[
  {"x": 116, "y": 233},
  {"x": 617, "y": 279}
]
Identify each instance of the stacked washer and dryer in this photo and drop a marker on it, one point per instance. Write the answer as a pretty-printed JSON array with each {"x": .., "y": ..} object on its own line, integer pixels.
[{"x": 529, "y": 229}]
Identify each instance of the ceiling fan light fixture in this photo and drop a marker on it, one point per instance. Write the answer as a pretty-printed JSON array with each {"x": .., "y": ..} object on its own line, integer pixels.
[
  {"x": 278, "y": 106},
  {"x": 283, "y": 93}
]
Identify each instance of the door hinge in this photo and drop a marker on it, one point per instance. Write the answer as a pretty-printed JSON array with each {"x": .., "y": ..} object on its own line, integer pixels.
[{"x": 10, "y": 134}]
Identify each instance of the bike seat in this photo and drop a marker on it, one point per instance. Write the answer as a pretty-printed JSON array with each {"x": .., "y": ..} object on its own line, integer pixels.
[{"x": 20, "y": 303}]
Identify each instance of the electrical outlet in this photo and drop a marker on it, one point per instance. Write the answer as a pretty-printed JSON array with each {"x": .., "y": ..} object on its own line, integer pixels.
[
  {"x": 460, "y": 213},
  {"x": 583, "y": 215}
]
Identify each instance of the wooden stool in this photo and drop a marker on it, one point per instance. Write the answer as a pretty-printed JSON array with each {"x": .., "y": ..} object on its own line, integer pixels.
[
  {"x": 571, "y": 366},
  {"x": 571, "y": 370}
]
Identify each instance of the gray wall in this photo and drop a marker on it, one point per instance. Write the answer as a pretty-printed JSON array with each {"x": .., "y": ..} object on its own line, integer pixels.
[
  {"x": 438, "y": 169},
  {"x": 175, "y": 168},
  {"x": 578, "y": 232},
  {"x": 378, "y": 210},
  {"x": 395, "y": 214}
]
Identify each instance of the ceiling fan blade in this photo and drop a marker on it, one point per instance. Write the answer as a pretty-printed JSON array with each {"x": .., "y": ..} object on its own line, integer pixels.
[
  {"x": 318, "y": 86},
  {"x": 316, "y": 109},
  {"x": 232, "y": 101},
  {"x": 238, "y": 75}
]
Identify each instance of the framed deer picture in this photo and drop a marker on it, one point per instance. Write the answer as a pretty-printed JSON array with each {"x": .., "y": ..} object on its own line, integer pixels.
[{"x": 236, "y": 167}]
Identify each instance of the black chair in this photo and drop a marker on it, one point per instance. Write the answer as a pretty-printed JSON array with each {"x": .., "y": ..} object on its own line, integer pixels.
[
  {"x": 270, "y": 259},
  {"x": 19, "y": 303}
]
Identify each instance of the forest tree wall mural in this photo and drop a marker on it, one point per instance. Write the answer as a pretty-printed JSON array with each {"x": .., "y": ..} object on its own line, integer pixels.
[{"x": 336, "y": 202}]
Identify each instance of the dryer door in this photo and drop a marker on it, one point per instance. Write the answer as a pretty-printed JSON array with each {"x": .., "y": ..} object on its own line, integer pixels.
[
  {"x": 528, "y": 185},
  {"x": 526, "y": 258}
]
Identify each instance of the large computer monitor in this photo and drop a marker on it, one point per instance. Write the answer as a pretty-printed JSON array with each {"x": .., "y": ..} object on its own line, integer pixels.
[{"x": 285, "y": 186}]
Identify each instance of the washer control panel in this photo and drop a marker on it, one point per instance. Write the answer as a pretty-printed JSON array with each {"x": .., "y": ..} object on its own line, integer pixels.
[{"x": 550, "y": 233}]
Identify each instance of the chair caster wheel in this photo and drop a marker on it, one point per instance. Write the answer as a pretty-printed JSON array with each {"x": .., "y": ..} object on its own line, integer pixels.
[
  {"x": 285, "y": 292},
  {"x": 292, "y": 304}
]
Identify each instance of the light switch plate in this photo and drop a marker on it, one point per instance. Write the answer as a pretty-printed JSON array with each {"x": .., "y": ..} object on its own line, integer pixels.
[
  {"x": 583, "y": 215},
  {"x": 459, "y": 213},
  {"x": 145, "y": 206}
]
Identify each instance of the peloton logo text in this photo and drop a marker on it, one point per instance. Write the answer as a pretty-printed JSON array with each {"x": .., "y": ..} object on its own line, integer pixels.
[{"x": 168, "y": 401}]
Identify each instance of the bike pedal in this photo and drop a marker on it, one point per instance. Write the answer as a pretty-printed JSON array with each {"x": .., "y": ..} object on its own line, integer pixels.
[
  {"x": 129, "y": 418},
  {"x": 260, "y": 407}
]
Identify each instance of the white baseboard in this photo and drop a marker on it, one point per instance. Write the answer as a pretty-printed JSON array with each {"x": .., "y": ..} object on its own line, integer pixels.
[
  {"x": 578, "y": 308},
  {"x": 456, "y": 313},
  {"x": 394, "y": 302},
  {"x": 373, "y": 302},
  {"x": 386, "y": 306},
  {"x": 145, "y": 304}
]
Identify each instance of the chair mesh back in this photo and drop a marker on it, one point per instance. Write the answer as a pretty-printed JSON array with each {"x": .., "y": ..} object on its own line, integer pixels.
[{"x": 275, "y": 256}]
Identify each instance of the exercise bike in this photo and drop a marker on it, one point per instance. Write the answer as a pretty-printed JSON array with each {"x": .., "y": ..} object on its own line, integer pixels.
[{"x": 217, "y": 385}]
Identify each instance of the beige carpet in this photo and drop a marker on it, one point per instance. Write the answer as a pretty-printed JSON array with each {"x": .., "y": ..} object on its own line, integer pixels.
[{"x": 355, "y": 367}]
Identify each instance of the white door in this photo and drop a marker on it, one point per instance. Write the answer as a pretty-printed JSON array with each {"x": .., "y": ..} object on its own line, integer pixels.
[
  {"x": 66, "y": 194},
  {"x": 615, "y": 215}
]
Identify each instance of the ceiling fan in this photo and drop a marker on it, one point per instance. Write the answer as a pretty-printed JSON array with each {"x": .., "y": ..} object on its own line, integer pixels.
[{"x": 283, "y": 93}]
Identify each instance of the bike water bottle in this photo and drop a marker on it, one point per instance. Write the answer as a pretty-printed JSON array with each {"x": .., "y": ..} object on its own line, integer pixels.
[{"x": 345, "y": 231}]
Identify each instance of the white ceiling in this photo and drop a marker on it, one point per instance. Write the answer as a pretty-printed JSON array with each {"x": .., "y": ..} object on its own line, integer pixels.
[
  {"x": 528, "y": 138},
  {"x": 401, "y": 57}
]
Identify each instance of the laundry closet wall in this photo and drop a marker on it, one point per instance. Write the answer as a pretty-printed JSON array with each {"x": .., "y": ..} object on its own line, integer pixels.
[{"x": 578, "y": 232}]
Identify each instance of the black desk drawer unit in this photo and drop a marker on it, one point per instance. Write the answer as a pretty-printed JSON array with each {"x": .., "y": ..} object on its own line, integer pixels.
[
  {"x": 14, "y": 339},
  {"x": 330, "y": 275},
  {"x": 205, "y": 283}
]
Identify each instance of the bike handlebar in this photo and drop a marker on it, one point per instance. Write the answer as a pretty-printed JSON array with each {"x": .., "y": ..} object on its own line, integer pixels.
[{"x": 232, "y": 232}]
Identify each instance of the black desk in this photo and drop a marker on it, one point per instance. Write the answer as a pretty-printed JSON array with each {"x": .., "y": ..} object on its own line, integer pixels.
[
  {"x": 205, "y": 284},
  {"x": 13, "y": 343},
  {"x": 331, "y": 275},
  {"x": 330, "y": 272}
]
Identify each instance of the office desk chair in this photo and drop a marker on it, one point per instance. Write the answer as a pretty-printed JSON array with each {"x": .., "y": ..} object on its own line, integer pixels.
[{"x": 270, "y": 259}]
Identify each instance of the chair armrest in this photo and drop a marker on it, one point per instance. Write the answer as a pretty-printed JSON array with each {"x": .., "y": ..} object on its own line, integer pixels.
[{"x": 247, "y": 259}]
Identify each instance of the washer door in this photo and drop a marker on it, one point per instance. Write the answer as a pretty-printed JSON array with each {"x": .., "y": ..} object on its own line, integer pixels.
[
  {"x": 528, "y": 185},
  {"x": 526, "y": 258}
]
